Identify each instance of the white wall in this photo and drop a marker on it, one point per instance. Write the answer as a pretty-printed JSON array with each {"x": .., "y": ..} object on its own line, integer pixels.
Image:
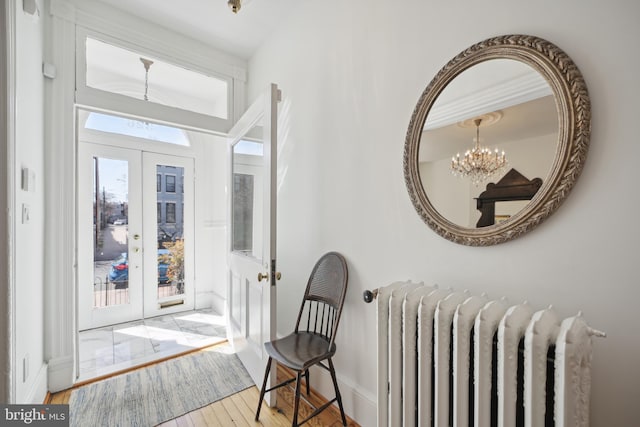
[
  {"x": 210, "y": 219},
  {"x": 351, "y": 73},
  {"x": 29, "y": 237}
]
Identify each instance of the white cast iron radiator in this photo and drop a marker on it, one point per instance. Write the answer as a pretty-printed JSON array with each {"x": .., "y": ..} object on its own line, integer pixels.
[{"x": 449, "y": 358}]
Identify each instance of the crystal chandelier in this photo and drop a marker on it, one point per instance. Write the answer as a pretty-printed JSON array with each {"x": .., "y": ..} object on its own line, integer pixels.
[{"x": 479, "y": 163}]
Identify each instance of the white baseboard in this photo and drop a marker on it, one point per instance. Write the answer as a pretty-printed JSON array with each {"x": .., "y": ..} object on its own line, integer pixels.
[
  {"x": 203, "y": 300},
  {"x": 60, "y": 373},
  {"x": 210, "y": 299},
  {"x": 38, "y": 392},
  {"x": 358, "y": 406}
]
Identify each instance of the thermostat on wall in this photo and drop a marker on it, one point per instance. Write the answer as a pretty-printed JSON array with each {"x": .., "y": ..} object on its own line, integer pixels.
[
  {"x": 31, "y": 7},
  {"x": 28, "y": 180}
]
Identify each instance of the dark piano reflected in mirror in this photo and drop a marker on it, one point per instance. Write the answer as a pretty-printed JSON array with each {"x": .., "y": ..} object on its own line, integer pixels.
[{"x": 512, "y": 187}]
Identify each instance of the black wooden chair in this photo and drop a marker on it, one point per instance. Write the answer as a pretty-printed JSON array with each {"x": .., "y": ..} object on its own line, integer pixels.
[{"x": 312, "y": 341}]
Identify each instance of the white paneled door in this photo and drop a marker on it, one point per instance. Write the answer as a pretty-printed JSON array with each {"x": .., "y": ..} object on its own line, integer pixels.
[
  {"x": 252, "y": 237},
  {"x": 135, "y": 228}
]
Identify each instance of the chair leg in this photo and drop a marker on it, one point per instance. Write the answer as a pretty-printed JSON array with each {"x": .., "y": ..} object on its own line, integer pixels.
[
  {"x": 296, "y": 404},
  {"x": 338, "y": 397},
  {"x": 264, "y": 386},
  {"x": 306, "y": 375}
]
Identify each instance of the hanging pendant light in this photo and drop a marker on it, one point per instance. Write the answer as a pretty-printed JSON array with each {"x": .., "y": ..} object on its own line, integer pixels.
[{"x": 147, "y": 64}]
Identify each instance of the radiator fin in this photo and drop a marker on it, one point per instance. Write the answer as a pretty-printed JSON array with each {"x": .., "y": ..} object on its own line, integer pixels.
[
  {"x": 485, "y": 362},
  {"x": 450, "y": 358}
]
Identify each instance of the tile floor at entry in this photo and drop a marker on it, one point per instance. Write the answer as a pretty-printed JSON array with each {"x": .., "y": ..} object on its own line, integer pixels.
[{"x": 114, "y": 348}]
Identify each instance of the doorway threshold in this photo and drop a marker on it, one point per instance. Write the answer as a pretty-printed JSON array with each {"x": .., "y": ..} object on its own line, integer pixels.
[{"x": 105, "y": 351}]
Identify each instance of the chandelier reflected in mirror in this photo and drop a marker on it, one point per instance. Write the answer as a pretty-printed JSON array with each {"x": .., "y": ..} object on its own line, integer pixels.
[{"x": 478, "y": 164}]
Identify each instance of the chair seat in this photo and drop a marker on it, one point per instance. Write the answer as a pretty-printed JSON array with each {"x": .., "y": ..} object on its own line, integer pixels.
[{"x": 300, "y": 350}]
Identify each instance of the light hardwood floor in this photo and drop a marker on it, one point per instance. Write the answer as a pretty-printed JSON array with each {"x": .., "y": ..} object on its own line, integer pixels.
[{"x": 239, "y": 410}]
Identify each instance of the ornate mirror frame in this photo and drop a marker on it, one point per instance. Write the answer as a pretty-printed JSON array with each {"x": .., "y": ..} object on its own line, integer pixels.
[{"x": 574, "y": 130}]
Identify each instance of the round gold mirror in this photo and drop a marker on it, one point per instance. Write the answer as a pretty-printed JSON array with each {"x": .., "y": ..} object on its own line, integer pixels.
[{"x": 497, "y": 140}]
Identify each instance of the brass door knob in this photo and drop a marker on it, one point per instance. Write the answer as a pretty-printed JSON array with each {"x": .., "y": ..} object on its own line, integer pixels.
[
  {"x": 278, "y": 275},
  {"x": 263, "y": 276}
]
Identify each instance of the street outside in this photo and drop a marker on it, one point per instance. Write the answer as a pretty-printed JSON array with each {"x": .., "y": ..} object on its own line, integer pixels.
[{"x": 113, "y": 242}]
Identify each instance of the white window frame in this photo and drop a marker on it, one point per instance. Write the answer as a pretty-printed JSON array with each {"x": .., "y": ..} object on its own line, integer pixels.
[
  {"x": 166, "y": 213},
  {"x": 99, "y": 99},
  {"x": 175, "y": 183}
]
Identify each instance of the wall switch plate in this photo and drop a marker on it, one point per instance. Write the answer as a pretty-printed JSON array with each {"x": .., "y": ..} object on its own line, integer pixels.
[{"x": 26, "y": 213}]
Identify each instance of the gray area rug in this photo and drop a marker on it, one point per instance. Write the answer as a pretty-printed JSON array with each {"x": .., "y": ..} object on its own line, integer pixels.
[{"x": 158, "y": 393}]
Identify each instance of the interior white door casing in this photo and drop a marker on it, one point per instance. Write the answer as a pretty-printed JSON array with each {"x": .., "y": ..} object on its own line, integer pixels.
[{"x": 251, "y": 294}]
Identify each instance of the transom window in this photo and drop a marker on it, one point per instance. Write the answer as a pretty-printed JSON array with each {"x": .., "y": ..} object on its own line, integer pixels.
[
  {"x": 141, "y": 76},
  {"x": 132, "y": 127}
]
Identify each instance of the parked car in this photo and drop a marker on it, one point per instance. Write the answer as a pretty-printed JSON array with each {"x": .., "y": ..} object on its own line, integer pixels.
[
  {"x": 119, "y": 271},
  {"x": 120, "y": 221},
  {"x": 164, "y": 258}
]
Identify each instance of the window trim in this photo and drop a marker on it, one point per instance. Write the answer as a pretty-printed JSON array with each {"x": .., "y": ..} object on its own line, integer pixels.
[
  {"x": 166, "y": 183},
  {"x": 166, "y": 213}
]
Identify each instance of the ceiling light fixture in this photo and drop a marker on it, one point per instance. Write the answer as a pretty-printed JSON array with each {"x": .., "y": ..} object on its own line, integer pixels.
[
  {"x": 147, "y": 64},
  {"x": 479, "y": 163},
  {"x": 234, "y": 5}
]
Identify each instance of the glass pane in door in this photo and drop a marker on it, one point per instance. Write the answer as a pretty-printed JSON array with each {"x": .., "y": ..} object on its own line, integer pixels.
[
  {"x": 246, "y": 200},
  {"x": 170, "y": 230},
  {"x": 110, "y": 222},
  {"x": 243, "y": 213}
]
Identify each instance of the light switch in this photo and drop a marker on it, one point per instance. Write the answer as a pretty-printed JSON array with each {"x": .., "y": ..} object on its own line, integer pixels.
[{"x": 26, "y": 213}]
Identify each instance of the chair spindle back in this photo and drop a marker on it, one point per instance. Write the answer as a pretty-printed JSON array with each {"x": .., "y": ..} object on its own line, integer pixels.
[{"x": 324, "y": 297}]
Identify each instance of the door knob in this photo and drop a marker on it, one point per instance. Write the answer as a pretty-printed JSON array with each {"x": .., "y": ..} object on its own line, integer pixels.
[
  {"x": 136, "y": 237},
  {"x": 136, "y": 250},
  {"x": 263, "y": 276},
  {"x": 278, "y": 275}
]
